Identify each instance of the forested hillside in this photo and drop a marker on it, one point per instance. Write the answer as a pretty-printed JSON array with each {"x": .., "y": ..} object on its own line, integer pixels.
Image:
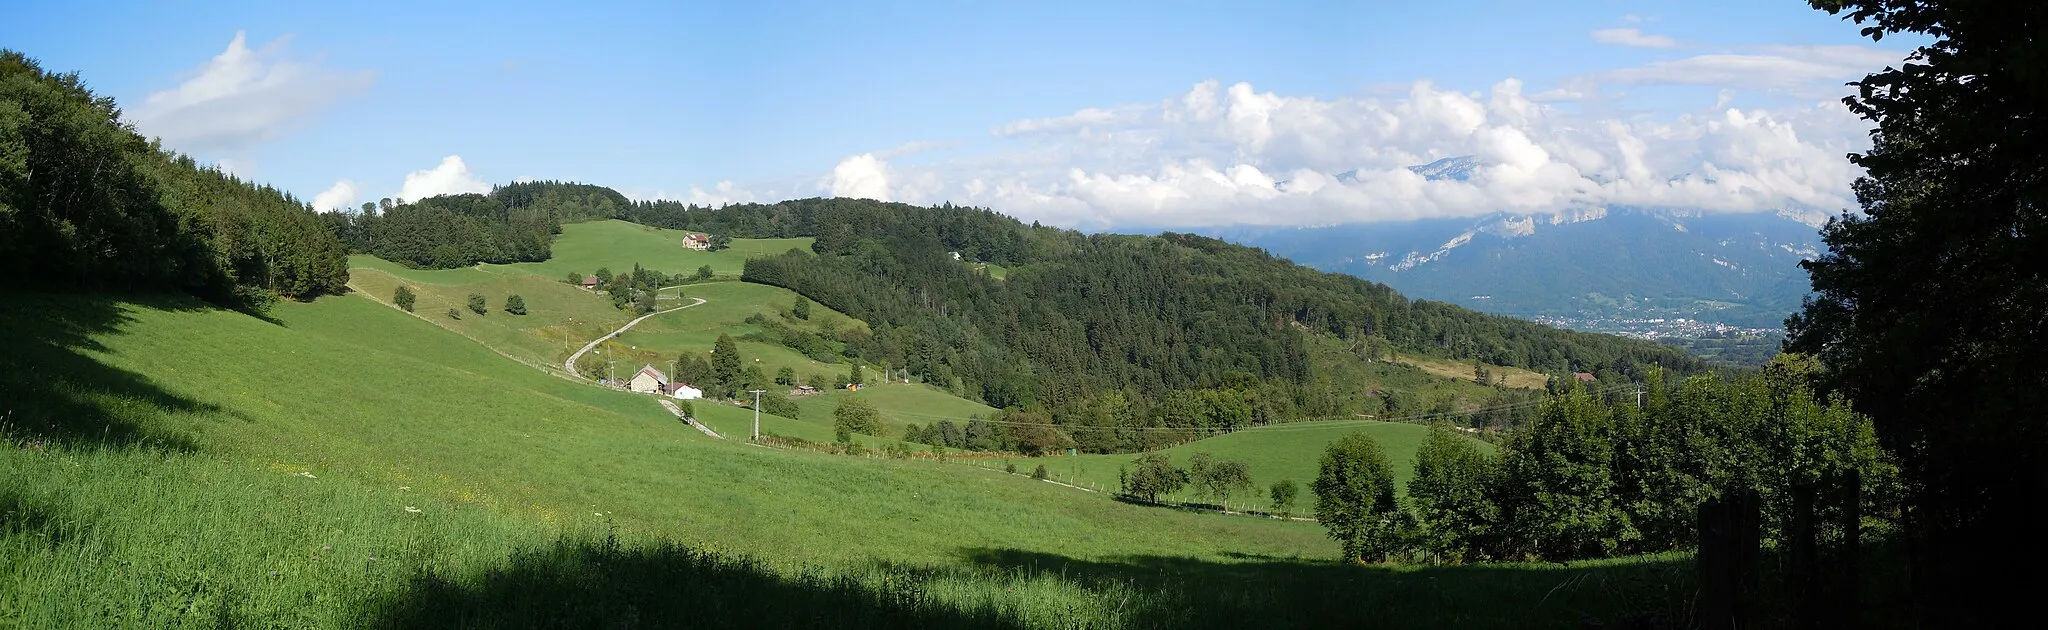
[
  {"x": 85, "y": 202},
  {"x": 1129, "y": 331}
]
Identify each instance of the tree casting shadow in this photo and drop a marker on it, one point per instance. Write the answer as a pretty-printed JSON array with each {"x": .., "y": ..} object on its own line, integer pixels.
[
  {"x": 53, "y": 390},
  {"x": 1262, "y": 591},
  {"x": 598, "y": 584}
]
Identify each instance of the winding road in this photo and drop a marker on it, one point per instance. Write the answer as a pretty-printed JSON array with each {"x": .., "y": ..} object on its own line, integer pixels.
[{"x": 570, "y": 365}]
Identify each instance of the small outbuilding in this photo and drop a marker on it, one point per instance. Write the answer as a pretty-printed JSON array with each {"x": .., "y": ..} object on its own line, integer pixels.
[
  {"x": 590, "y": 282},
  {"x": 648, "y": 381},
  {"x": 684, "y": 391}
]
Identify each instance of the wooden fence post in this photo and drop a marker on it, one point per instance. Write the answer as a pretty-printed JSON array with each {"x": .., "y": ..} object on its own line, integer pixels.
[
  {"x": 1842, "y": 608},
  {"x": 1804, "y": 577},
  {"x": 1730, "y": 557}
]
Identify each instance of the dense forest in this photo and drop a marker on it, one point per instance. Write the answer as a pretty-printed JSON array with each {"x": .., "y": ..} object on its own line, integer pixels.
[
  {"x": 1104, "y": 330},
  {"x": 86, "y": 202},
  {"x": 514, "y": 223}
]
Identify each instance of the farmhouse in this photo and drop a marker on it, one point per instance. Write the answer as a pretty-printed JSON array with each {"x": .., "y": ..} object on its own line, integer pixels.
[
  {"x": 590, "y": 282},
  {"x": 697, "y": 241},
  {"x": 648, "y": 381},
  {"x": 684, "y": 391}
]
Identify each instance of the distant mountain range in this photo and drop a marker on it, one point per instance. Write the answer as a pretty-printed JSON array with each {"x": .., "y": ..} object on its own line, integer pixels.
[{"x": 1611, "y": 269}]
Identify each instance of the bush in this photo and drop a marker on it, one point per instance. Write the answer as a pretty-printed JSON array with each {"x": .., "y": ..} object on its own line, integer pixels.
[
  {"x": 1010, "y": 467},
  {"x": 689, "y": 410},
  {"x": 1283, "y": 497},
  {"x": 454, "y": 314},
  {"x": 802, "y": 308},
  {"x": 1152, "y": 476},
  {"x": 899, "y": 449},
  {"x": 515, "y": 305},
  {"x": 1039, "y": 472},
  {"x": 785, "y": 376},
  {"x": 1450, "y": 494},
  {"x": 779, "y": 405},
  {"x": 704, "y": 272},
  {"x": 857, "y": 415},
  {"x": 1355, "y": 498},
  {"x": 403, "y": 297},
  {"x": 477, "y": 304},
  {"x": 575, "y": 279}
]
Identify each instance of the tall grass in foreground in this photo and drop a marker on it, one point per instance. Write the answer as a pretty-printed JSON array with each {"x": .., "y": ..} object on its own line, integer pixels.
[{"x": 143, "y": 536}]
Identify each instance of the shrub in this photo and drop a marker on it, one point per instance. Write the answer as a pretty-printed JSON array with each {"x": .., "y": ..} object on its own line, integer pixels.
[
  {"x": 1152, "y": 475},
  {"x": 785, "y": 376},
  {"x": 1010, "y": 467},
  {"x": 1355, "y": 498},
  {"x": 779, "y": 405},
  {"x": 689, "y": 410},
  {"x": 575, "y": 279},
  {"x": 857, "y": 415},
  {"x": 454, "y": 314},
  {"x": 1039, "y": 472},
  {"x": 403, "y": 297},
  {"x": 477, "y": 304},
  {"x": 1450, "y": 493},
  {"x": 1283, "y": 497},
  {"x": 515, "y": 305},
  {"x": 704, "y": 272},
  {"x": 802, "y": 308}
]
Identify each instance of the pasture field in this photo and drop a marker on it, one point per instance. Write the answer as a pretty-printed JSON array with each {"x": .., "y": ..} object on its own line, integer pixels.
[
  {"x": 1511, "y": 376},
  {"x": 559, "y": 318},
  {"x": 1272, "y": 453},
  {"x": 338, "y": 463},
  {"x": 584, "y": 247}
]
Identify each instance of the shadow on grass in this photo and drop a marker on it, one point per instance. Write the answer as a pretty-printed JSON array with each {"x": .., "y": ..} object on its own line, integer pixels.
[
  {"x": 53, "y": 389},
  {"x": 1259, "y": 591},
  {"x": 597, "y": 584}
]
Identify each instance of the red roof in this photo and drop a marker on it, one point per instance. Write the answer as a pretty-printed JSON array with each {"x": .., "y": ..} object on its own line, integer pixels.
[
  {"x": 675, "y": 387},
  {"x": 590, "y": 281}
]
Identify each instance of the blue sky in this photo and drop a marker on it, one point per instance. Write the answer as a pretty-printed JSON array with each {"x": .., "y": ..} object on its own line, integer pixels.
[{"x": 1074, "y": 113}]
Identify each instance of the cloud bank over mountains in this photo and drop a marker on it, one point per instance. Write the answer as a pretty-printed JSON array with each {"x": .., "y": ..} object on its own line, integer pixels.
[{"x": 1232, "y": 154}]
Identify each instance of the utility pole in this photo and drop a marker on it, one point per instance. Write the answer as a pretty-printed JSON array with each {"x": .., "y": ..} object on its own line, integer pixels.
[
  {"x": 1639, "y": 397},
  {"x": 757, "y": 412}
]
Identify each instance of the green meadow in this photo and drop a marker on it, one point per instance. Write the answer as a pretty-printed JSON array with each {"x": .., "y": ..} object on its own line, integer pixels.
[
  {"x": 618, "y": 245},
  {"x": 1272, "y": 453},
  {"x": 340, "y": 463}
]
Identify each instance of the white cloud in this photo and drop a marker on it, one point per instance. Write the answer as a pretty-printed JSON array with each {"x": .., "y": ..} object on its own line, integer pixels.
[
  {"x": 341, "y": 196},
  {"x": 450, "y": 177},
  {"x": 864, "y": 176},
  {"x": 242, "y": 98},
  {"x": 1767, "y": 67},
  {"x": 1631, "y": 36},
  {"x": 1220, "y": 154},
  {"x": 723, "y": 193}
]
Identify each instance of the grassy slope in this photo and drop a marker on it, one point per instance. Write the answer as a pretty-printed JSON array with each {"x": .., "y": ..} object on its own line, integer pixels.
[
  {"x": 1273, "y": 453},
  {"x": 384, "y": 412},
  {"x": 1510, "y": 376},
  {"x": 583, "y": 247}
]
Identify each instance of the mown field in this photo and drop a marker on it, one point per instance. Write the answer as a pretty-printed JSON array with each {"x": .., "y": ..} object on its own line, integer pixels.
[
  {"x": 1272, "y": 453},
  {"x": 340, "y": 463},
  {"x": 618, "y": 245}
]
